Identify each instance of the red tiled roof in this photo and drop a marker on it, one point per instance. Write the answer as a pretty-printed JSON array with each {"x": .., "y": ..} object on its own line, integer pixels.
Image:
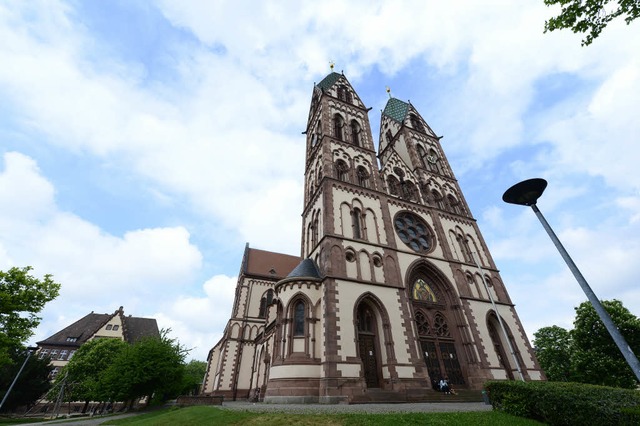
[{"x": 269, "y": 264}]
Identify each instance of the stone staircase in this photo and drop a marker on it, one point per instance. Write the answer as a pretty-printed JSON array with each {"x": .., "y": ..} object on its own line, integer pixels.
[{"x": 381, "y": 396}]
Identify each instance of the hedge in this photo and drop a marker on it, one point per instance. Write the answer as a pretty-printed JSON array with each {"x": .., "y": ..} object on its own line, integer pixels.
[{"x": 565, "y": 403}]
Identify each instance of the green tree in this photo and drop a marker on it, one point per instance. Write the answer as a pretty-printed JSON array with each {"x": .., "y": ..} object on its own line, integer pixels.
[
  {"x": 150, "y": 367},
  {"x": 22, "y": 297},
  {"x": 32, "y": 383},
  {"x": 554, "y": 348},
  {"x": 591, "y": 16},
  {"x": 194, "y": 373},
  {"x": 83, "y": 373},
  {"x": 596, "y": 358}
]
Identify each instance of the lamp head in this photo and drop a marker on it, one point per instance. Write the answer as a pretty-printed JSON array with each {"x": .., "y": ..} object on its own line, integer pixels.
[{"x": 525, "y": 193}]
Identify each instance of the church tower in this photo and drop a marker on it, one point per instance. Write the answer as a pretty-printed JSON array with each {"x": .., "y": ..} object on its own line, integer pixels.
[{"x": 396, "y": 287}]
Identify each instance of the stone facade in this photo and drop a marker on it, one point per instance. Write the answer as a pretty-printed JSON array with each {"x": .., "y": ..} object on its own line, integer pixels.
[{"x": 393, "y": 290}]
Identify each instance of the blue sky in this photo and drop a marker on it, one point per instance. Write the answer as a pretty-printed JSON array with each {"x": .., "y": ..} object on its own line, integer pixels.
[{"x": 143, "y": 143}]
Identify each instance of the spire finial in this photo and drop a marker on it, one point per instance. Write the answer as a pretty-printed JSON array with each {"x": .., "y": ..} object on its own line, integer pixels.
[
  {"x": 389, "y": 91},
  {"x": 331, "y": 65}
]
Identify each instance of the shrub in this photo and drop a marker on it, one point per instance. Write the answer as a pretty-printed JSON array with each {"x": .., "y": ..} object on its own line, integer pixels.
[{"x": 565, "y": 403}]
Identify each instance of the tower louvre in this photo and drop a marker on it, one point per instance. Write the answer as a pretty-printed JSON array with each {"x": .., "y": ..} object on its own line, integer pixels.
[{"x": 387, "y": 297}]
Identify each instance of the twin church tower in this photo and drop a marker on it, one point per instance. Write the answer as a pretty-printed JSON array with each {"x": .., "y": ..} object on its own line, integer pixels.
[{"x": 393, "y": 290}]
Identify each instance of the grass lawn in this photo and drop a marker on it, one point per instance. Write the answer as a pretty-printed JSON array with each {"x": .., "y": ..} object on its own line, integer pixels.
[{"x": 217, "y": 416}]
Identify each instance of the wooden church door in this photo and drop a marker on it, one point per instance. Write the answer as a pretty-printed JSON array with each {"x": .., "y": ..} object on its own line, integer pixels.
[{"x": 367, "y": 346}]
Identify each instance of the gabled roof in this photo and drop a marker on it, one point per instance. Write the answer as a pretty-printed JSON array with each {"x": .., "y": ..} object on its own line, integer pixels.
[
  {"x": 269, "y": 264},
  {"x": 134, "y": 328},
  {"x": 396, "y": 109},
  {"x": 82, "y": 330},
  {"x": 137, "y": 328},
  {"x": 329, "y": 80}
]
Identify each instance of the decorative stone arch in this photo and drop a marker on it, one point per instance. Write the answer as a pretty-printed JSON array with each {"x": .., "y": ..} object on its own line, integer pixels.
[
  {"x": 436, "y": 311},
  {"x": 501, "y": 346},
  {"x": 299, "y": 325},
  {"x": 235, "y": 331},
  {"x": 374, "y": 341}
]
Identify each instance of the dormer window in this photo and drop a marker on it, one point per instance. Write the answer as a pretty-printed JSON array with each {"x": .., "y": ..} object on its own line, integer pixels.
[
  {"x": 109, "y": 327},
  {"x": 72, "y": 339},
  {"x": 416, "y": 123}
]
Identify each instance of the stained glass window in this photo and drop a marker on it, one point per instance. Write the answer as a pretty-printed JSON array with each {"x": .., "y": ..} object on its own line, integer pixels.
[
  {"x": 298, "y": 319},
  {"x": 422, "y": 292}
]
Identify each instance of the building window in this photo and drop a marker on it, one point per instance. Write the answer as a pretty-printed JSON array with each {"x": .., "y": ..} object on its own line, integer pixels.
[
  {"x": 424, "y": 329},
  {"x": 109, "y": 327},
  {"x": 116, "y": 327},
  {"x": 298, "y": 319},
  {"x": 54, "y": 354},
  {"x": 408, "y": 191},
  {"x": 344, "y": 94},
  {"x": 423, "y": 292},
  {"x": 438, "y": 199},
  {"x": 413, "y": 231},
  {"x": 388, "y": 136},
  {"x": 43, "y": 353},
  {"x": 342, "y": 171},
  {"x": 356, "y": 218},
  {"x": 416, "y": 123},
  {"x": 363, "y": 177},
  {"x": 54, "y": 373},
  {"x": 71, "y": 355},
  {"x": 454, "y": 204},
  {"x": 393, "y": 185},
  {"x": 423, "y": 156},
  {"x": 263, "y": 308},
  {"x": 338, "y": 127},
  {"x": 355, "y": 133},
  {"x": 72, "y": 339},
  {"x": 63, "y": 354}
]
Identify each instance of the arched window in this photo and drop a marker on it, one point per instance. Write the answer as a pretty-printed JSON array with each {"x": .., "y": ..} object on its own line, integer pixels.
[
  {"x": 388, "y": 136},
  {"x": 423, "y": 292},
  {"x": 342, "y": 171},
  {"x": 269, "y": 297},
  {"x": 424, "y": 329},
  {"x": 433, "y": 161},
  {"x": 338, "y": 127},
  {"x": 409, "y": 191},
  {"x": 263, "y": 307},
  {"x": 438, "y": 199},
  {"x": 355, "y": 133},
  {"x": 366, "y": 319},
  {"x": 314, "y": 233},
  {"x": 454, "y": 204},
  {"x": 356, "y": 219},
  {"x": 416, "y": 123},
  {"x": 423, "y": 155},
  {"x": 363, "y": 177},
  {"x": 298, "y": 318},
  {"x": 393, "y": 185},
  {"x": 344, "y": 94},
  {"x": 440, "y": 326}
]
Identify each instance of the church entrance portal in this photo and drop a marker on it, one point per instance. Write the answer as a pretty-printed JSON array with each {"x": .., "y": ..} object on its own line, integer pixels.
[
  {"x": 436, "y": 338},
  {"x": 367, "y": 345}
]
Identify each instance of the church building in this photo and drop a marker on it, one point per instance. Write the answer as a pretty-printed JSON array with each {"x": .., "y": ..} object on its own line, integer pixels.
[{"x": 395, "y": 288}]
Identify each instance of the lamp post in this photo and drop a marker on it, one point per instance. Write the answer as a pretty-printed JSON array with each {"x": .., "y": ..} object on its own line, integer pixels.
[
  {"x": 29, "y": 351},
  {"x": 526, "y": 193}
]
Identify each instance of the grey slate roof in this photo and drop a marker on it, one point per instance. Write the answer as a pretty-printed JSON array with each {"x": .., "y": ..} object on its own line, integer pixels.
[
  {"x": 306, "y": 269},
  {"x": 134, "y": 328},
  {"x": 396, "y": 109},
  {"x": 329, "y": 80}
]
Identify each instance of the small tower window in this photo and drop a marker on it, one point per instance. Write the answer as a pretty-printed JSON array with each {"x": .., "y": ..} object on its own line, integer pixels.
[
  {"x": 423, "y": 156},
  {"x": 363, "y": 177},
  {"x": 342, "y": 171},
  {"x": 388, "y": 136},
  {"x": 408, "y": 190},
  {"x": 344, "y": 94},
  {"x": 263, "y": 308},
  {"x": 393, "y": 185},
  {"x": 416, "y": 123},
  {"x": 355, "y": 133},
  {"x": 438, "y": 199},
  {"x": 356, "y": 218},
  {"x": 298, "y": 319},
  {"x": 338, "y": 127}
]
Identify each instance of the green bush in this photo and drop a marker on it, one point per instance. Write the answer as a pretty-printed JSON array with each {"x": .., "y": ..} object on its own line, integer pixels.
[{"x": 565, "y": 403}]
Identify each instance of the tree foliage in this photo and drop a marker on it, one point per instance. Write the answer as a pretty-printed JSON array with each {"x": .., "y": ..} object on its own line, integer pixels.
[
  {"x": 553, "y": 350},
  {"x": 588, "y": 354},
  {"x": 590, "y": 16},
  {"x": 194, "y": 373},
  {"x": 22, "y": 297},
  {"x": 32, "y": 383},
  {"x": 597, "y": 359},
  {"x": 152, "y": 366},
  {"x": 84, "y": 371}
]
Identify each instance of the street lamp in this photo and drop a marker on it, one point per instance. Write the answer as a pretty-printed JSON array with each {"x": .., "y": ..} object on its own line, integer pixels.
[
  {"x": 526, "y": 193},
  {"x": 29, "y": 351}
]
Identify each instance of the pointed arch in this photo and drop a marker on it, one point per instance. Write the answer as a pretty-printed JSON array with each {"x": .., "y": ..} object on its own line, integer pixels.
[
  {"x": 342, "y": 171},
  {"x": 393, "y": 185},
  {"x": 338, "y": 127},
  {"x": 356, "y": 134},
  {"x": 363, "y": 177}
]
